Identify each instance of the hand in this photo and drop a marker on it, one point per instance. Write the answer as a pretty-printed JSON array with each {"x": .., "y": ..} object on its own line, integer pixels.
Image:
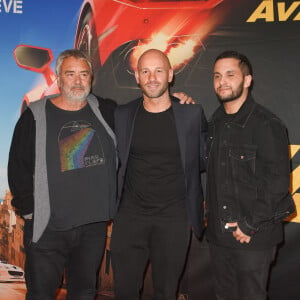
[
  {"x": 28, "y": 217},
  {"x": 238, "y": 234},
  {"x": 184, "y": 98}
]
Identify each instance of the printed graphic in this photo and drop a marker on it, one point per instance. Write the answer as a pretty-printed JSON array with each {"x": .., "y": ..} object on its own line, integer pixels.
[{"x": 76, "y": 144}]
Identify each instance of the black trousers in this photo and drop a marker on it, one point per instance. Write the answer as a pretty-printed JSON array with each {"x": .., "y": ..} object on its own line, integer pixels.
[
  {"x": 137, "y": 239},
  {"x": 240, "y": 274},
  {"x": 78, "y": 251}
]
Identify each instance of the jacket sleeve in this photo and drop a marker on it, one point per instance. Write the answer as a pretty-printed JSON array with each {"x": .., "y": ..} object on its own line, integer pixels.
[
  {"x": 203, "y": 141},
  {"x": 273, "y": 166},
  {"x": 21, "y": 164}
]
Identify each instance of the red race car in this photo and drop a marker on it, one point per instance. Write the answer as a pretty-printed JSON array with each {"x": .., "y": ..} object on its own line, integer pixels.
[
  {"x": 127, "y": 27},
  {"x": 175, "y": 27}
]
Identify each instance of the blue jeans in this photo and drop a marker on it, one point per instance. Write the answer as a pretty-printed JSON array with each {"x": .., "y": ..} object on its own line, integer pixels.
[{"x": 78, "y": 251}]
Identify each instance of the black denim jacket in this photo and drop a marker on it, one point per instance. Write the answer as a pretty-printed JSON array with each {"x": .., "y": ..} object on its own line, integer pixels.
[{"x": 250, "y": 171}]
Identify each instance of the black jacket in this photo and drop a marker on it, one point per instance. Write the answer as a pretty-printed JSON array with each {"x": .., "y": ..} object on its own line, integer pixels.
[
  {"x": 191, "y": 128},
  {"x": 248, "y": 175}
]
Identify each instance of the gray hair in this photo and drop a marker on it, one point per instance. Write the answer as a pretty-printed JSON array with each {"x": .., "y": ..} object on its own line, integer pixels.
[{"x": 71, "y": 53}]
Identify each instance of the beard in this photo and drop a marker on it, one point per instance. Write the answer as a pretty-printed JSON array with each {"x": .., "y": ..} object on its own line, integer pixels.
[
  {"x": 76, "y": 96},
  {"x": 235, "y": 94},
  {"x": 154, "y": 93}
]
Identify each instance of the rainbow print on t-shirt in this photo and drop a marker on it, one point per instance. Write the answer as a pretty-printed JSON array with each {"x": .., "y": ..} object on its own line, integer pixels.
[{"x": 73, "y": 149}]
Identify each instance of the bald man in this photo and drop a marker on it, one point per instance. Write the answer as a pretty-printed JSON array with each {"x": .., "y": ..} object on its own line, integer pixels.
[{"x": 161, "y": 146}]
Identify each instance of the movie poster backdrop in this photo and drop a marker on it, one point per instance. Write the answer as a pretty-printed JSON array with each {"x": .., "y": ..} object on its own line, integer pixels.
[{"x": 114, "y": 34}]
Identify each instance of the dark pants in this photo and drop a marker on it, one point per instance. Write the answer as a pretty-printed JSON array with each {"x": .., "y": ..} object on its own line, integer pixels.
[
  {"x": 240, "y": 274},
  {"x": 137, "y": 239},
  {"x": 78, "y": 251}
]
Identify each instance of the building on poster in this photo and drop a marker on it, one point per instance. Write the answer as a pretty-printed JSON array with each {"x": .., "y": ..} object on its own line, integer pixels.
[{"x": 12, "y": 254}]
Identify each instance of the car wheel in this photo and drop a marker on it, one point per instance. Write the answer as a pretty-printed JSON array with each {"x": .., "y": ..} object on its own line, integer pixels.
[{"x": 87, "y": 41}]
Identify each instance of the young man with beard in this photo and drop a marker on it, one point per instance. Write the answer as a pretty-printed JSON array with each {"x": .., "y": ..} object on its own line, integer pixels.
[
  {"x": 161, "y": 147},
  {"x": 62, "y": 174},
  {"x": 247, "y": 184}
]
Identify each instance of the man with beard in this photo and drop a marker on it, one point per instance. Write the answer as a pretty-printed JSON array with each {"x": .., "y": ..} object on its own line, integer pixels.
[
  {"x": 247, "y": 184},
  {"x": 62, "y": 174},
  {"x": 161, "y": 147}
]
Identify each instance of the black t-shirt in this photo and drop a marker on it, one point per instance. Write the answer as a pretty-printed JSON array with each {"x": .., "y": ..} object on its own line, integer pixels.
[
  {"x": 154, "y": 182},
  {"x": 80, "y": 166}
]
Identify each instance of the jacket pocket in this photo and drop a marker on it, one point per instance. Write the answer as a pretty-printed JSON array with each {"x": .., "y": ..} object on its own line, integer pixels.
[{"x": 242, "y": 162}]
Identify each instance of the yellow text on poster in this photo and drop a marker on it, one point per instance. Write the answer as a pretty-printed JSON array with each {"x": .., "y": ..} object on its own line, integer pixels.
[{"x": 271, "y": 11}]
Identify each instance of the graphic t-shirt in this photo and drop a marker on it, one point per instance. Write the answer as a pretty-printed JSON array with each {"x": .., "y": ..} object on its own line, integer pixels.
[{"x": 80, "y": 166}]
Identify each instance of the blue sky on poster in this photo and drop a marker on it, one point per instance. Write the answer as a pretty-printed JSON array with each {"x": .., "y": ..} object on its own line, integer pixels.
[{"x": 49, "y": 24}]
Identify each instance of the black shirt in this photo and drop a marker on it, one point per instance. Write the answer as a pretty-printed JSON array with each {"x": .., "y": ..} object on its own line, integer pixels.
[
  {"x": 80, "y": 162},
  {"x": 154, "y": 182}
]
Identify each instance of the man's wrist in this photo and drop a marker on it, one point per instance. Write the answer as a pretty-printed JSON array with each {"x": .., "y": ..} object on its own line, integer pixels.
[{"x": 246, "y": 228}]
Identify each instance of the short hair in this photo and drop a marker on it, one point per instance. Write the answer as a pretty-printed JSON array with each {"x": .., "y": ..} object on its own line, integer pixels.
[
  {"x": 244, "y": 62},
  {"x": 71, "y": 53}
]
